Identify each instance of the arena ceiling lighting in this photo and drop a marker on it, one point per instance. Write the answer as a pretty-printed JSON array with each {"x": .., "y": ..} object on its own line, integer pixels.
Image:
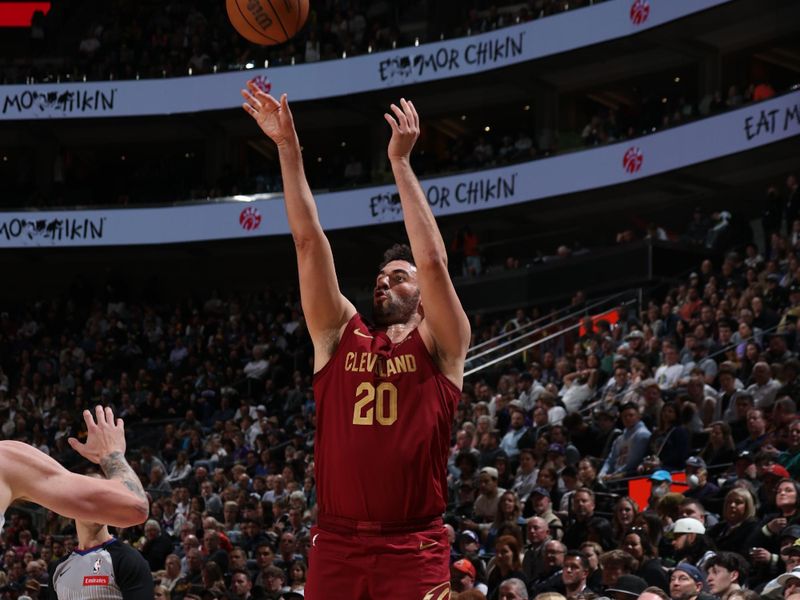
[{"x": 20, "y": 14}]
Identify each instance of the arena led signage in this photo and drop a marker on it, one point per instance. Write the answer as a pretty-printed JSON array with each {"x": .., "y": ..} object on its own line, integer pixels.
[
  {"x": 311, "y": 81},
  {"x": 263, "y": 215}
]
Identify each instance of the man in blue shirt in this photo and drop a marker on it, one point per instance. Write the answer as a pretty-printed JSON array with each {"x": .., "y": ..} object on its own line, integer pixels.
[
  {"x": 516, "y": 430},
  {"x": 629, "y": 448}
]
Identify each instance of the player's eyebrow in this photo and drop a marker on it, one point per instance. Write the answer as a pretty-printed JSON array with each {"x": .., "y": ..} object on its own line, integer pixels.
[{"x": 394, "y": 271}]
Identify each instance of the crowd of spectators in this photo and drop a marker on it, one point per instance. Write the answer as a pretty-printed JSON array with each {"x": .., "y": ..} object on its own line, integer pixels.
[
  {"x": 696, "y": 392},
  {"x": 125, "y": 40},
  {"x": 655, "y": 112},
  {"x": 169, "y": 175}
]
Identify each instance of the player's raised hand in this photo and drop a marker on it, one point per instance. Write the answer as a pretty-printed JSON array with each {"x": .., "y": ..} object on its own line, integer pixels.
[
  {"x": 103, "y": 438},
  {"x": 405, "y": 129},
  {"x": 273, "y": 116}
]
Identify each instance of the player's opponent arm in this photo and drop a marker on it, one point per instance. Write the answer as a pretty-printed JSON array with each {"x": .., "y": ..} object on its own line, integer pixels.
[
  {"x": 445, "y": 323},
  {"x": 326, "y": 310},
  {"x": 120, "y": 500}
]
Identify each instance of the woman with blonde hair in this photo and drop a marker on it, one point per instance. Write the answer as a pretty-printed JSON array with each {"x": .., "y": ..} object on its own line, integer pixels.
[{"x": 738, "y": 526}]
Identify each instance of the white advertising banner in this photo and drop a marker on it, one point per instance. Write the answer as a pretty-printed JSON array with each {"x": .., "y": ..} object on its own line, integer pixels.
[
  {"x": 264, "y": 215},
  {"x": 428, "y": 62}
]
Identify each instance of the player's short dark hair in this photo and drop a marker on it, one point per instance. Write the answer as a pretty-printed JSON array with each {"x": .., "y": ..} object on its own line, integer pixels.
[
  {"x": 730, "y": 561},
  {"x": 397, "y": 252}
]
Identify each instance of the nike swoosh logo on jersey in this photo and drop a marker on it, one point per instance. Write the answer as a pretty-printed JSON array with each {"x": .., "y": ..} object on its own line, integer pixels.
[
  {"x": 314, "y": 540},
  {"x": 364, "y": 335},
  {"x": 424, "y": 546}
]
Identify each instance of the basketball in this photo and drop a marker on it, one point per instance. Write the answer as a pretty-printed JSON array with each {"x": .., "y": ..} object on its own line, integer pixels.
[{"x": 267, "y": 22}]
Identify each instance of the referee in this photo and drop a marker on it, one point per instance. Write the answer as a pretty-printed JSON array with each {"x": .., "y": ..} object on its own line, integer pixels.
[{"x": 101, "y": 568}]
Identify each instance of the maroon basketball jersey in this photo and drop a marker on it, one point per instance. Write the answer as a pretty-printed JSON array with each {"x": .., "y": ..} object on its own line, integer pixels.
[{"x": 384, "y": 413}]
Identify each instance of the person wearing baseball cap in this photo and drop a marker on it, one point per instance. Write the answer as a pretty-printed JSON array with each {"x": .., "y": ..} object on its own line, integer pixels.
[
  {"x": 689, "y": 541},
  {"x": 790, "y": 582},
  {"x": 783, "y": 585},
  {"x": 687, "y": 582},
  {"x": 771, "y": 477},
  {"x": 542, "y": 506},
  {"x": 485, "y": 507},
  {"x": 660, "y": 482},
  {"x": 700, "y": 487},
  {"x": 463, "y": 576}
]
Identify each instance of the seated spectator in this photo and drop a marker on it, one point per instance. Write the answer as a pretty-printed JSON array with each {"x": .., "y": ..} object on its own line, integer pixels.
[
  {"x": 628, "y": 449},
  {"x": 507, "y": 564},
  {"x": 700, "y": 487},
  {"x": 687, "y": 582},
  {"x": 738, "y": 525},
  {"x": 616, "y": 564},
  {"x": 720, "y": 448},
  {"x": 727, "y": 571},
  {"x": 627, "y": 587},
  {"x": 638, "y": 545},
  {"x": 764, "y": 387},
  {"x": 690, "y": 543}
]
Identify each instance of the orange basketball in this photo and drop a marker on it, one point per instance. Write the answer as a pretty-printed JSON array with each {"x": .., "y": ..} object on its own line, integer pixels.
[{"x": 267, "y": 22}]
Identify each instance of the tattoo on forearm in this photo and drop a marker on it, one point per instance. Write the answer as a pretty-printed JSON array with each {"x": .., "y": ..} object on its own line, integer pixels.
[{"x": 116, "y": 467}]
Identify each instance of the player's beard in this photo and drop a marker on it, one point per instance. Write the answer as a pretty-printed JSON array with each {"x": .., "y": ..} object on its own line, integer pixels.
[{"x": 394, "y": 309}]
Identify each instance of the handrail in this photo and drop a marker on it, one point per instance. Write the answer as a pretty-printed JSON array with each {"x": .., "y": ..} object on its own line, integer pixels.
[
  {"x": 751, "y": 338},
  {"x": 542, "y": 318},
  {"x": 518, "y": 350},
  {"x": 528, "y": 334}
]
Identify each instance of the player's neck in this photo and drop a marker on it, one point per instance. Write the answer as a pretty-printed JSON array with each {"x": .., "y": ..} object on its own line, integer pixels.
[{"x": 397, "y": 332}]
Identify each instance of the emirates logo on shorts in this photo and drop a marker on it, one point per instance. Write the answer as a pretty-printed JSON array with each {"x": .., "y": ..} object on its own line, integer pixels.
[
  {"x": 250, "y": 218},
  {"x": 95, "y": 580},
  {"x": 262, "y": 83},
  {"x": 633, "y": 159},
  {"x": 640, "y": 10}
]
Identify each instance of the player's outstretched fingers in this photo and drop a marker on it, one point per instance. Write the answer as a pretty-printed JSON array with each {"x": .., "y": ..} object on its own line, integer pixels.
[
  {"x": 414, "y": 113},
  {"x": 391, "y": 121},
  {"x": 110, "y": 416},
  {"x": 401, "y": 118},
  {"x": 101, "y": 415},
  {"x": 91, "y": 425}
]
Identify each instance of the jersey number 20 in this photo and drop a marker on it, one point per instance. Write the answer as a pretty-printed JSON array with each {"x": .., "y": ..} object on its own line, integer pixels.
[{"x": 384, "y": 398}]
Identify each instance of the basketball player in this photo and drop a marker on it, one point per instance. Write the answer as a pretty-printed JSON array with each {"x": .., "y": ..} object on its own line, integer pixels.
[
  {"x": 385, "y": 391},
  {"x": 29, "y": 474}
]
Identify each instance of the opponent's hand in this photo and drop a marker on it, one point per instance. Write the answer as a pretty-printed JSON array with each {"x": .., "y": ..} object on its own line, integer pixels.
[
  {"x": 274, "y": 117},
  {"x": 405, "y": 129},
  {"x": 103, "y": 438}
]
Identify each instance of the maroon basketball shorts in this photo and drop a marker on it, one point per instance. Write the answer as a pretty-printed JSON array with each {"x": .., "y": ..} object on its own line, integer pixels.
[{"x": 354, "y": 566}]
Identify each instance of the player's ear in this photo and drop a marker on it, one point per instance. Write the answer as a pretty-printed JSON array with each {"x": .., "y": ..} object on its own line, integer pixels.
[{"x": 420, "y": 310}]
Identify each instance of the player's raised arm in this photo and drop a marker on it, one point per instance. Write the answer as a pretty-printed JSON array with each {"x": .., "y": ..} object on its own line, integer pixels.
[
  {"x": 120, "y": 500},
  {"x": 445, "y": 322},
  {"x": 326, "y": 309}
]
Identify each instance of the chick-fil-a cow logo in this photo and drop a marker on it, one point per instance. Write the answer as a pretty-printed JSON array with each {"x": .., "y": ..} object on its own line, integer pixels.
[
  {"x": 250, "y": 218},
  {"x": 261, "y": 83},
  {"x": 640, "y": 10},
  {"x": 633, "y": 159}
]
